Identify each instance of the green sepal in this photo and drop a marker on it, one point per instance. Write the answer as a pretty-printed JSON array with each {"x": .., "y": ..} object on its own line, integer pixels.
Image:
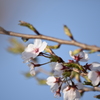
[
  {"x": 92, "y": 51},
  {"x": 76, "y": 51},
  {"x": 66, "y": 74},
  {"x": 74, "y": 65},
  {"x": 54, "y": 58},
  {"x": 54, "y": 47},
  {"x": 87, "y": 83}
]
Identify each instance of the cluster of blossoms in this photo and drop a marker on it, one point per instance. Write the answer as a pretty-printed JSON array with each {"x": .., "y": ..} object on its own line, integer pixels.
[{"x": 61, "y": 79}]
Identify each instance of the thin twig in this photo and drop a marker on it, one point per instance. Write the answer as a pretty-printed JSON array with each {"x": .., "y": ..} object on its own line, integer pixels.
[{"x": 90, "y": 89}]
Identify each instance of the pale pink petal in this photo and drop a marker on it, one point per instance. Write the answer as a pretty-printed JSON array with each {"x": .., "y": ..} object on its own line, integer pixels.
[
  {"x": 26, "y": 55},
  {"x": 29, "y": 48},
  {"x": 43, "y": 46},
  {"x": 84, "y": 56},
  {"x": 65, "y": 96},
  {"x": 70, "y": 53},
  {"x": 51, "y": 80},
  {"x": 93, "y": 76},
  {"x": 37, "y": 43},
  {"x": 96, "y": 82},
  {"x": 54, "y": 87},
  {"x": 58, "y": 66},
  {"x": 95, "y": 66},
  {"x": 71, "y": 94}
]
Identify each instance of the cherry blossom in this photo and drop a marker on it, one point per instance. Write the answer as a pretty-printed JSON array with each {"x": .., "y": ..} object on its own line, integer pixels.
[
  {"x": 54, "y": 83},
  {"x": 58, "y": 68},
  {"x": 82, "y": 56},
  {"x": 33, "y": 50},
  {"x": 71, "y": 92},
  {"x": 94, "y": 74}
]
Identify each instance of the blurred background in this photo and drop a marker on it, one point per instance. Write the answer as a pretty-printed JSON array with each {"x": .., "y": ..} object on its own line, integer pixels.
[{"x": 48, "y": 17}]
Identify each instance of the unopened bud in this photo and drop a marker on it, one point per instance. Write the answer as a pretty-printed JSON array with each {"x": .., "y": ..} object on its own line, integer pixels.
[{"x": 68, "y": 32}]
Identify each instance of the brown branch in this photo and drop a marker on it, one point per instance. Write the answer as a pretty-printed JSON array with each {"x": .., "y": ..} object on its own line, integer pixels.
[
  {"x": 72, "y": 42},
  {"x": 90, "y": 89}
]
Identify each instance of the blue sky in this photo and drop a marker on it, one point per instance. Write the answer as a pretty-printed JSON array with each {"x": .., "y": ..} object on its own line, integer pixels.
[{"x": 48, "y": 16}]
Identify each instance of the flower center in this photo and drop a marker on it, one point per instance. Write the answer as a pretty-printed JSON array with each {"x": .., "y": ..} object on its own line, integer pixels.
[{"x": 36, "y": 50}]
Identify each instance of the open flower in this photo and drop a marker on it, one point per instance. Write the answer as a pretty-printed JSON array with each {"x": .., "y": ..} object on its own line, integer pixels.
[
  {"x": 33, "y": 50},
  {"x": 94, "y": 74},
  {"x": 54, "y": 83},
  {"x": 95, "y": 66},
  {"x": 71, "y": 92},
  {"x": 58, "y": 68},
  {"x": 82, "y": 56}
]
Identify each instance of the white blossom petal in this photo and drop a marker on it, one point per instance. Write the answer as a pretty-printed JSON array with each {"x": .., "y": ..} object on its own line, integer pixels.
[
  {"x": 57, "y": 67},
  {"x": 93, "y": 76},
  {"x": 43, "y": 46},
  {"x": 84, "y": 56},
  {"x": 51, "y": 80},
  {"x": 71, "y": 94},
  {"x": 54, "y": 87},
  {"x": 53, "y": 84},
  {"x": 95, "y": 66},
  {"x": 37, "y": 43},
  {"x": 26, "y": 56},
  {"x": 29, "y": 48},
  {"x": 70, "y": 53}
]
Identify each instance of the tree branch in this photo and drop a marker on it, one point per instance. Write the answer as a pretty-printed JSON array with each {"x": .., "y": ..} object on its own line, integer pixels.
[
  {"x": 90, "y": 89},
  {"x": 61, "y": 41}
]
